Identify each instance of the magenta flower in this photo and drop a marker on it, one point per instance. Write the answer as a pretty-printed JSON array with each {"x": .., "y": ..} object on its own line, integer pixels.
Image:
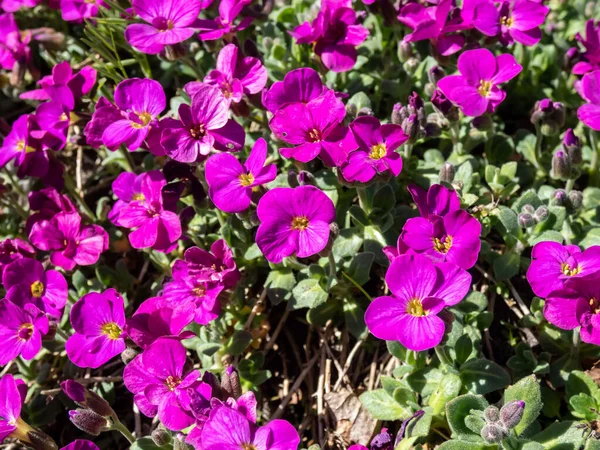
[
  {"x": 227, "y": 428},
  {"x": 420, "y": 290},
  {"x": 294, "y": 220},
  {"x": 552, "y": 264},
  {"x": 81, "y": 444},
  {"x": 476, "y": 90},
  {"x": 64, "y": 86},
  {"x": 210, "y": 30},
  {"x": 590, "y": 59},
  {"x": 127, "y": 187},
  {"x": 14, "y": 44},
  {"x": 98, "y": 320},
  {"x": 21, "y": 146},
  {"x": 376, "y": 152},
  {"x": 139, "y": 102},
  {"x": 216, "y": 266},
  {"x": 71, "y": 243},
  {"x": 168, "y": 22},
  {"x": 26, "y": 282},
  {"x": 453, "y": 238},
  {"x": 236, "y": 75},
  {"x": 155, "y": 226},
  {"x": 158, "y": 317},
  {"x": 204, "y": 125},
  {"x": 298, "y": 86},
  {"x": 47, "y": 203},
  {"x": 13, "y": 250},
  {"x": 161, "y": 387},
  {"x": 15, "y": 5},
  {"x": 21, "y": 331},
  {"x": 231, "y": 184},
  {"x": 104, "y": 115},
  {"x": 517, "y": 20},
  {"x": 78, "y": 11},
  {"x": 53, "y": 122},
  {"x": 430, "y": 23},
  {"x": 589, "y": 87},
  {"x": 576, "y": 305},
  {"x": 392, "y": 252},
  {"x": 315, "y": 128},
  {"x": 438, "y": 200},
  {"x": 335, "y": 35},
  {"x": 13, "y": 392}
]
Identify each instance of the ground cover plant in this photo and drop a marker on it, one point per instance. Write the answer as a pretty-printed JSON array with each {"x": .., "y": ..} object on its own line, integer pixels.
[{"x": 287, "y": 224}]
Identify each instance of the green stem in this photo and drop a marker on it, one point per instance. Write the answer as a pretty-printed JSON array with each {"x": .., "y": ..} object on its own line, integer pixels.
[
  {"x": 576, "y": 344},
  {"x": 569, "y": 185},
  {"x": 595, "y": 156},
  {"x": 127, "y": 155},
  {"x": 363, "y": 199},
  {"x": 539, "y": 139},
  {"x": 332, "y": 271},
  {"x": 118, "y": 426},
  {"x": 408, "y": 151},
  {"x": 14, "y": 183},
  {"x": 443, "y": 356},
  {"x": 62, "y": 334},
  {"x": 568, "y": 231}
]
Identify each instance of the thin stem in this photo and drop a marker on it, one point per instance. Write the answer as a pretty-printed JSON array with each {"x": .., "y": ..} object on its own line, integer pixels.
[
  {"x": 576, "y": 343},
  {"x": 408, "y": 151},
  {"x": 443, "y": 356},
  {"x": 363, "y": 199},
  {"x": 127, "y": 155},
  {"x": 62, "y": 334},
  {"x": 118, "y": 426},
  {"x": 595, "y": 155},
  {"x": 14, "y": 183},
  {"x": 568, "y": 232},
  {"x": 569, "y": 185},
  {"x": 537, "y": 156},
  {"x": 332, "y": 271}
]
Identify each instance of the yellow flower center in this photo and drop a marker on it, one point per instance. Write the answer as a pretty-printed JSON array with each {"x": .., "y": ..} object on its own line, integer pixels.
[
  {"x": 112, "y": 330},
  {"x": 248, "y": 447},
  {"x": 25, "y": 331},
  {"x": 246, "y": 179},
  {"x": 442, "y": 246},
  {"x": 21, "y": 146},
  {"x": 315, "y": 135},
  {"x": 63, "y": 117},
  {"x": 37, "y": 289},
  {"x": 199, "y": 291},
  {"x": 145, "y": 117},
  {"x": 507, "y": 21},
  {"x": 198, "y": 131},
  {"x": 138, "y": 196},
  {"x": 300, "y": 223},
  {"x": 594, "y": 305},
  {"x": 415, "y": 308},
  {"x": 172, "y": 382},
  {"x": 485, "y": 88},
  {"x": 378, "y": 151},
  {"x": 566, "y": 270}
]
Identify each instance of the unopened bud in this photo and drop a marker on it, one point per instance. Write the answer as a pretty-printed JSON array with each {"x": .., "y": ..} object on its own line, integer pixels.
[
  {"x": 230, "y": 383},
  {"x": 572, "y": 147},
  {"x": 88, "y": 421},
  {"x": 526, "y": 220},
  {"x": 405, "y": 51},
  {"x": 561, "y": 166},
  {"x": 305, "y": 178},
  {"x": 410, "y": 66},
  {"x": 576, "y": 199},
  {"x": 491, "y": 414},
  {"x": 128, "y": 354},
  {"x": 483, "y": 122},
  {"x": 571, "y": 58},
  {"x": 541, "y": 214},
  {"x": 179, "y": 444},
  {"x": 559, "y": 198},
  {"x": 493, "y": 433},
  {"x": 436, "y": 73},
  {"x": 410, "y": 127},
  {"x": 161, "y": 437},
  {"x": 41, "y": 441},
  {"x": 86, "y": 398},
  {"x": 351, "y": 110},
  {"x": 173, "y": 52},
  {"x": 397, "y": 114},
  {"x": 528, "y": 209},
  {"x": 511, "y": 413},
  {"x": 383, "y": 441},
  {"x": 364, "y": 111},
  {"x": 447, "y": 173}
]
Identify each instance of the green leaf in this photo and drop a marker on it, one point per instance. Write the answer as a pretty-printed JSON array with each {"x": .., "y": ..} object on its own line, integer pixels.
[
  {"x": 280, "y": 284},
  {"x": 458, "y": 409},
  {"x": 481, "y": 376},
  {"x": 582, "y": 406},
  {"x": 355, "y": 318},
  {"x": 463, "y": 348},
  {"x": 527, "y": 390},
  {"x": 447, "y": 389},
  {"x": 238, "y": 342},
  {"x": 461, "y": 445},
  {"x": 348, "y": 243},
  {"x": 549, "y": 235},
  {"x": 384, "y": 201},
  {"x": 308, "y": 294},
  {"x": 560, "y": 436},
  {"x": 390, "y": 384},
  {"x": 146, "y": 443},
  {"x": 360, "y": 267},
  {"x": 506, "y": 266},
  {"x": 528, "y": 198},
  {"x": 509, "y": 220},
  {"x": 381, "y": 406}
]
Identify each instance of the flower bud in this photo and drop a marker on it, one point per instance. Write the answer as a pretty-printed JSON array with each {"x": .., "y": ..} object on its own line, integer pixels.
[
  {"x": 179, "y": 444},
  {"x": 559, "y": 198},
  {"x": 447, "y": 173},
  {"x": 576, "y": 199},
  {"x": 491, "y": 414},
  {"x": 528, "y": 209},
  {"x": 561, "y": 166},
  {"x": 405, "y": 51},
  {"x": 410, "y": 127},
  {"x": 173, "y": 52},
  {"x": 397, "y": 114},
  {"x": 541, "y": 214},
  {"x": 128, "y": 354},
  {"x": 305, "y": 178},
  {"x": 161, "y": 437},
  {"x": 364, "y": 111},
  {"x": 511, "y": 413},
  {"x": 41, "y": 441},
  {"x": 351, "y": 110},
  {"x": 410, "y": 66},
  {"x": 526, "y": 220},
  {"x": 572, "y": 147},
  {"x": 549, "y": 115},
  {"x": 230, "y": 383},
  {"x": 435, "y": 74},
  {"x": 88, "y": 421},
  {"x": 383, "y": 441},
  {"x": 571, "y": 58},
  {"x": 86, "y": 398},
  {"x": 493, "y": 433}
]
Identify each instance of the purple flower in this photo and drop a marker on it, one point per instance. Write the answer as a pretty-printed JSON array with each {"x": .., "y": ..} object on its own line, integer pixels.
[
  {"x": 430, "y": 23},
  {"x": 52, "y": 119},
  {"x": 453, "y": 238},
  {"x": 98, "y": 320},
  {"x": 236, "y": 75},
  {"x": 591, "y": 42},
  {"x": 438, "y": 200},
  {"x": 14, "y": 44},
  {"x": 127, "y": 187},
  {"x": 376, "y": 152},
  {"x": 158, "y": 317},
  {"x": 80, "y": 10},
  {"x": 229, "y": 429},
  {"x": 589, "y": 89},
  {"x": 294, "y": 220},
  {"x": 155, "y": 226},
  {"x": 24, "y": 148},
  {"x": 421, "y": 289},
  {"x": 81, "y": 444},
  {"x": 15, "y": 5},
  {"x": 298, "y": 86},
  {"x": 335, "y": 35},
  {"x": 13, "y": 392},
  {"x": 217, "y": 266},
  {"x": 63, "y": 86},
  {"x": 138, "y": 104},
  {"x": 392, "y": 252},
  {"x": 47, "y": 203},
  {"x": 168, "y": 22},
  {"x": 21, "y": 331},
  {"x": 161, "y": 387},
  {"x": 26, "y": 283},
  {"x": 70, "y": 242},
  {"x": 517, "y": 20},
  {"x": 552, "y": 264},
  {"x": 576, "y": 305},
  {"x": 13, "y": 250},
  {"x": 210, "y": 30},
  {"x": 476, "y": 90},
  {"x": 204, "y": 125},
  {"x": 231, "y": 184},
  {"x": 315, "y": 128}
]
